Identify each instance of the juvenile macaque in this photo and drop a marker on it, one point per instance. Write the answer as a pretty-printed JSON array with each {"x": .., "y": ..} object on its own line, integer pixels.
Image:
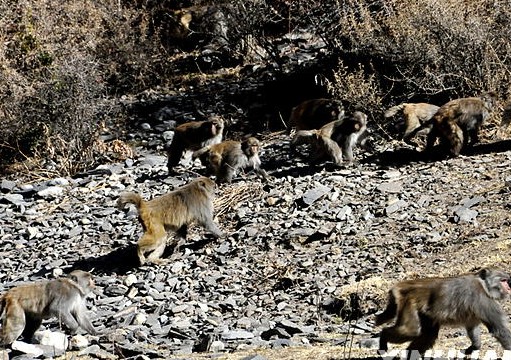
[
  {"x": 193, "y": 136},
  {"x": 335, "y": 139},
  {"x": 24, "y": 307},
  {"x": 457, "y": 122},
  {"x": 414, "y": 115},
  {"x": 314, "y": 113},
  {"x": 226, "y": 158},
  {"x": 422, "y": 306},
  {"x": 173, "y": 211}
]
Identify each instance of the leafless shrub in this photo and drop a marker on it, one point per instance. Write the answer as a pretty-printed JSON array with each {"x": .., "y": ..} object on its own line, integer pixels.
[{"x": 425, "y": 50}]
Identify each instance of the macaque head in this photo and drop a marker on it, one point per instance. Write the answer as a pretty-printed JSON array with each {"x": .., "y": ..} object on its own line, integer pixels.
[
  {"x": 496, "y": 282},
  {"x": 217, "y": 125},
  {"x": 250, "y": 146},
  {"x": 206, "y": 184},
  {"x": 83, "y": 279}
]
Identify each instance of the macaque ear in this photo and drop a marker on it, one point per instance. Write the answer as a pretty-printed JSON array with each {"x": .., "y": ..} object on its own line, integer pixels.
[{"x": 483, "y": 273}]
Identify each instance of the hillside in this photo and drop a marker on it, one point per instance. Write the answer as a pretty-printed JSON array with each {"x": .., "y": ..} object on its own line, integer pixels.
[{"x": 90, "y": 102}]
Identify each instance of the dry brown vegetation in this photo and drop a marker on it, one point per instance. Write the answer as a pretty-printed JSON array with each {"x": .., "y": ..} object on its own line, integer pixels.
[{"x": 63, "y": 64}]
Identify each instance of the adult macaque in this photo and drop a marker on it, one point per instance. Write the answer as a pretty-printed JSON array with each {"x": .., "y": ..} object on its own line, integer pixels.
[
  {"x": 335, "y": 139},
  {"x": 457, "y": 122},
  {"x": 24, "y": 307},
  {"x": 422, "y": 306},
  {"x": 414, "y": 115},
  {"x": 193, "y": 136},
  {"x": 314, "y": 113},
  {"x": 226, "y": 158},
  {"x": 173, "y": 211}
]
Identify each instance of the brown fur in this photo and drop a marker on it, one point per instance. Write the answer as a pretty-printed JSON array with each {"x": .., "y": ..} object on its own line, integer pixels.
[
  {"x": 334, "y": 139},
  {"x": 225, "y": 158},
  {"x": 422, "y": 306},
  {"x": 193, "y": 136},
  {"x": 414, "y": 115},
  {"x": 172, "y": 212},
  {"x": 24, "y": 307},
  {"x": 314, "y": 113},
  {"x": 457, "y": 122}
]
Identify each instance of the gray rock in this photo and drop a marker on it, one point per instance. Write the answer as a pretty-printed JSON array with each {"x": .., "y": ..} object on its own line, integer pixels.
[
  {"x": 312, "y": 195},
  {"x": 462, "y": 214},
  {"x": 96, "y": 351},
  {"x": 395, "y": 206},
  {"x": 7, "y": 185},
  {"x": 391, "y": 187},
  {"x": 372, "y": 343},
  {"x": 469, "y": 202},
  {"x": 51, "y": 192},
  {"x": 16, "y": 199},
  {"x": 255, "y": 357},
  {"x": 168, "y": 136},
  {"x": 237, "y": 335},
  {"x": 344, "y": 213},
  {"x": 30, "y": 349},
  {"x": 145, "y": 126}
]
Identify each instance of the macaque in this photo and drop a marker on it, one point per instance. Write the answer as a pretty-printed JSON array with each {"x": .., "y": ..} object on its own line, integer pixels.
[
  {"x": 422, "y": 306},
  {"x": 24, "y": 307},
  {"x": 314, "y": 113},
  {"x": 173, "y": 211},
  {"x": 457, "y": 122},
  {"x": 334, "y": 139},
  {"x": 224, "y": 159},
  {"x": 414, "y": 115},
  {"x": 193, "y": 136}
]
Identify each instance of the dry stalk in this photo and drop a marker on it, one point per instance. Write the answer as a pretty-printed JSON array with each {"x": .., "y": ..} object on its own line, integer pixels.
[{"x": 235, "y": 194}]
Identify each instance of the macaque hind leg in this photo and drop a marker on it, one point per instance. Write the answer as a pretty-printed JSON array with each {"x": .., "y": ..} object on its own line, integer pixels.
[
  {"x": 13, "y": 324},
  {"x": 32, "y": 324},
  {"x": 155, "y": 255}
]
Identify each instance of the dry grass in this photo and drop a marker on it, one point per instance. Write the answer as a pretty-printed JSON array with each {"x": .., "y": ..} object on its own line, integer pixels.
[{"x": 235, "y": 195}]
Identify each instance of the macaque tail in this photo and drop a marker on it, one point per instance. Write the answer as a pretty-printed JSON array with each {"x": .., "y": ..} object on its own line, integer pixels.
[
  {"x": 129, "y": 198},
  {"x": 389, "y": 313},
  {"x": 200, "y": 152}
]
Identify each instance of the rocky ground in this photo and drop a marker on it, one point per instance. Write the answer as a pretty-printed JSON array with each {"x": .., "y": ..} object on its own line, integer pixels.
[{"x": 307, "y": 260}]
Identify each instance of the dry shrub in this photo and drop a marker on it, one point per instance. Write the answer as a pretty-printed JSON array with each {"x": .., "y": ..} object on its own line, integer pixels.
[
  {"x": 424, "y": 50},
  {"x": 356, "y": 88}
]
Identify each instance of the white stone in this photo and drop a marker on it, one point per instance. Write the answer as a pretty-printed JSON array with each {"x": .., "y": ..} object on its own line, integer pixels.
[
  {"x": 57, "y": 272},
  {"x": 29, "y": 349},
  {"x": 51, "y": 191},
  {"x": 130, "y": 280},
  {"x": 79, "y": 342},
  {"x": 52, "y": 338},
  {"x": 140, "y": 319}
]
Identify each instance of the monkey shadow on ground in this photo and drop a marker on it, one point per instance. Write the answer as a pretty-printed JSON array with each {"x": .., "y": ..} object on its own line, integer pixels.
[
  {"x": 404, "y": 156},
  {"x": 118, "y": 261},
  {"x": 494, "y": 147},
  {"x": 304, "y": 170},
  {"x": 125, "y": 259}
]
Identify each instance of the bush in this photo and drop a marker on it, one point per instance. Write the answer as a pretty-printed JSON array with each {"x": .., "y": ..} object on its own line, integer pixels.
[
  {"x": 421, "y": 51},
  {"x": 51, "y": 85}
]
